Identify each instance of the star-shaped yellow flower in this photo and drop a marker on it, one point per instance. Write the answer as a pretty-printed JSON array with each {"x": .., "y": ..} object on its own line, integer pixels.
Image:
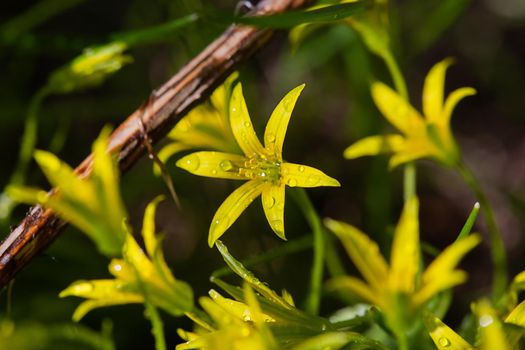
[
  {"x": 400, "y": 289},
  {"x": 427, "y": 136},
  {"x": 263, "y": 166}
]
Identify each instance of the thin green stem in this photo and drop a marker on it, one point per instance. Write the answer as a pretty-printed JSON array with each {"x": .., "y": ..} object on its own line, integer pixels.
[
  {"x": 409, "y": 175},
  {"x": 498, "y": 255},
  {"x": 157, "y": 328},
  {"x": 313, "y": 299}
]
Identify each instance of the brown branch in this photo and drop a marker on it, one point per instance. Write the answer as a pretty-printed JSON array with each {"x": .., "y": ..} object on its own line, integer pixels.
[{"x": 190, "y": 86}]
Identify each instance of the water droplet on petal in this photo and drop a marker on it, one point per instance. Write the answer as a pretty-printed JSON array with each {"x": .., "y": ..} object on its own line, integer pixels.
[
  {"x": 221, "y": 224},
  {"x": 234, "y": 109},
  {"x": 444, "y": 342},
  {"x": 192, "y": 162},
  {"x": 214, "y": 172},
  {"x": 247, "y": 124},
  {"x": 301, "y": 168},
  {"x": 312, "y": 180},
  {"x": 269, "y": 201},
  {"x": 292, "y": 182},
  {"x": 270, "y": 138},
  {"x": 278, "y": 226},
  {"x": 116, "y": 267},
  {"x": 288, "y": 105},
  {"x": 226, "y": 165},
  {"x": 246, "y": 316},
  {"x": 485, "y": 320}
]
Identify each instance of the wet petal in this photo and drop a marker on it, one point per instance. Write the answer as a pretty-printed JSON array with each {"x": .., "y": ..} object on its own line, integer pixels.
[
  {"x": 277, "y": 125},
  {"x": 443, "y": 336},
  {"x": 213, "y": 164},
  {"x": 297, "y": 175},
  {"x": 491, "y": 328},
  {"x": 273, "y": 205},
  {"x": 241, "y": 124},
  {"x": 363, "y": 251},
  {"x": 396, "y": 109},
  {"x": 370, "y": 146},
  {"x": 232, "y": 208},
  {"x": 404, "y": 258},
  {"x": 451, "y": 102},
  {"x": 433, "y": 90}
]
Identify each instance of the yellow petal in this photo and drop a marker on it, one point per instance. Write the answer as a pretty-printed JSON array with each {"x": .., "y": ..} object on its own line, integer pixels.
[
  {"x": 440, "y": 273},
  {"x": 433, "y": 90},
  {"x": 241, "y": 125},
  {"x": 213, "y": 164},
  {"x": 446, "y": 281},
  {"x": 370, "y": 146},
  {"x": 363, "y": 251},
  {"x": 297, "y": 175},
  {"x": 491, "y": 328},
  {"x": 273, "y": 205},
  {"x": 396, "y": 109},
  {"x": 232, "y": 208},
  {"x": 221, "y": 95},
  {"x": 517, "y": 315},
  {"x": 411, "y": 151},
  {"x": 357, "y": 287},
  {"x": 278, "y": 123},
  {"x": 148, "y": 226},
  {"x": 451, "y": 102},
  {"x": 404, "y": 258},
  {"x": 444, "y": 337}
]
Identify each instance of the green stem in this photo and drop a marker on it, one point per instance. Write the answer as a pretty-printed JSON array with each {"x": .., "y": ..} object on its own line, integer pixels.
[
  {"x": 498, "y": 255},
  {"x": 313, "y": 299},
  {"x": 409, "y": 175}
]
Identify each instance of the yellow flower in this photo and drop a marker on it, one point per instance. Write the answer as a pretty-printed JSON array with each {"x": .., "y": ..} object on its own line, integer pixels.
[
  {"x": 138, "y": 278},
  {"x": 264, "y": 168},
  {"x": 401, "y": 289},
  {"x": 423, "y": 137}
]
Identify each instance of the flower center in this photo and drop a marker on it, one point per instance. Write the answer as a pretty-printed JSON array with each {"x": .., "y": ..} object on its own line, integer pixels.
[{"x": 260, "y": 168}]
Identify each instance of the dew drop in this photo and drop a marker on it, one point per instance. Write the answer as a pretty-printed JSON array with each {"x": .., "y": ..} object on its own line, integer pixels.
[
  {"x": 269, "y": 201},
  {"x": 292, "y": 182},
  {"x": 301, "y": 169},
  {"x": 288, "y": 105},
  {"x": 278, "y": 225},
  {"x": 444, "y": 342},
  {"x": 226, "y": 165},
  {"x": 221, "y": 224},
  {"x": 247, "y": 124},
  {"x": 150, "y": 156},
  {"x": 214, "y": 172},
  {"x": 485, "y": 320},
  {"x": 262, "y": 174},
  {"x": 192, "y": 162},
  {"x": 116, "y": 267},
  {"x": 312, "y": 180},
  {"x": 234, "y": 109},
  {"x": 246, "y": 316},
  {"x": 270, "y": 138}
]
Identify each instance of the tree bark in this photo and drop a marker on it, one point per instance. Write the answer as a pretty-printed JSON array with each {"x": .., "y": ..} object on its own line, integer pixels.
[{"x": 189, "y": 87}]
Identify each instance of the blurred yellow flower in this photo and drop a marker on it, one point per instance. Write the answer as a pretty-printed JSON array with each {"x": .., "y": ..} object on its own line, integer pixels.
[
  {"x": 264, "y": 167},
  {"x": 423, "y": 137},
  {"x": 401, "y": 289}
]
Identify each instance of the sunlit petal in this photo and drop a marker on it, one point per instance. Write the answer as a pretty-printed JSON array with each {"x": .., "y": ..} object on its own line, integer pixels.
[
  {"x": 396, "y": 109},
  {"x": 373, "y": 145},
  {"x": 298, "y": 175},
  {"x": 446, "y": 281},
  {"x": 232, "y": 207},
  {"x": 517, "y": 315},
  {"x": 404, "y": 258},
  {"x": 451, "y": 102},
  {"x": 241, "y": 124},
  {"x": 273, "y": 205},
  {"x": 491, "y": 329},
  {"x": 433, "y": 90},
  {"x": 278, "y": 124},
  {"x": 213, "y": 164},
  {"x": 363, "y": 251}
]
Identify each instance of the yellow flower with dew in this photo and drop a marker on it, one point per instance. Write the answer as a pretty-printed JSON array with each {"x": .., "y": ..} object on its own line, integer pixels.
[
  {"x": 427, "y": 136},
  {"x": 139, "y": 277},
  {"x": 263, "y": 166},
  {"x": 400, "y": 289}
]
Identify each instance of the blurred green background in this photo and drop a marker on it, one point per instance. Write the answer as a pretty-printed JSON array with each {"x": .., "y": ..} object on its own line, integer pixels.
[{"x": 486, "y": 38}]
